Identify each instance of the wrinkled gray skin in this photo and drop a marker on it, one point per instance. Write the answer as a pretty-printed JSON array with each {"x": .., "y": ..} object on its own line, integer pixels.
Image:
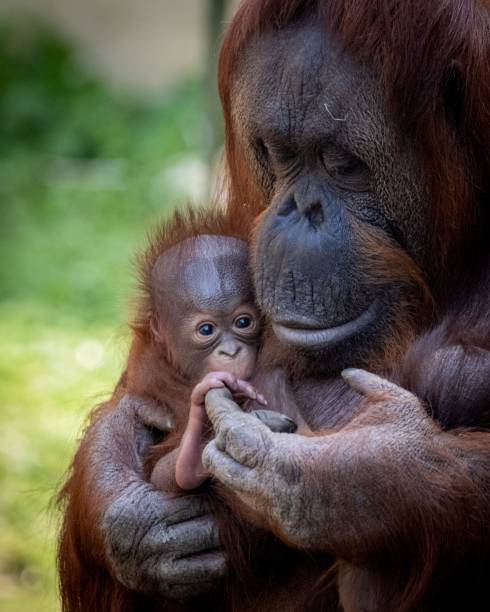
[
  {"x": 328, "y": 154},
  {"x": 312, "y": 176},
  {"x": 156, "y": 543},
  {"x": 314, "y": 125},
  {"x": 286, "y": 479}
]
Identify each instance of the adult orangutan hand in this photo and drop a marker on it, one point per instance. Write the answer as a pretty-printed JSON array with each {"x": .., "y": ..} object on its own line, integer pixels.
[
  {"x": 320, "y": 492},
  {"x": 155, "y": 542},
  {"x": 162, "y": 544}
]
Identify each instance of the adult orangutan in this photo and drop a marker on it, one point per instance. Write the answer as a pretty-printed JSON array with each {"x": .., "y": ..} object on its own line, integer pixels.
[{"x": 357, "y": 137}]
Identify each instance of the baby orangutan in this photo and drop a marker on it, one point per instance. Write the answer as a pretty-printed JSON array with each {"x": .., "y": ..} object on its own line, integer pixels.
[{"x": 206, "y": 324}]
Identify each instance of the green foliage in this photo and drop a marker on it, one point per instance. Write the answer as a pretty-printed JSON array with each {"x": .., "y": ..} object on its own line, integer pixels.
[
  {"x": 50, "y": 104},
  {"x": 84, "y": 172}
]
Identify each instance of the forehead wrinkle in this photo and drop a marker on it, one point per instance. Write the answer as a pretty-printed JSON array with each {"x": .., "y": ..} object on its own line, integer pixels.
[
  {"x": 292, "y": 90},
  {"x": 202, "y": 273},
  {"x": 173, "y": 262},
  {"x": 291, "y": 77},
  {"x": 210, "y": 282}
]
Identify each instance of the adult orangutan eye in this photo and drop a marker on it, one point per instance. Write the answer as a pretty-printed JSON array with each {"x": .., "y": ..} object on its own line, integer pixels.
[
  {"x": 347, "y": 170},
  {"x": 262, "y": 156},
  {"x": 351, "y": 167},
  {"x": 262, "y": 153},
  {"x": 206, "y": 329}
]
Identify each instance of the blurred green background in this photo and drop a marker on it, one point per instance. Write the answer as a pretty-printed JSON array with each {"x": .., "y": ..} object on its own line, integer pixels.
[{"x": 87, "y": 166}]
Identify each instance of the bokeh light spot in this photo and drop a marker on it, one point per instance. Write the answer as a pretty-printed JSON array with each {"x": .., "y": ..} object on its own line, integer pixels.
[{"x": 89, "y": 354}]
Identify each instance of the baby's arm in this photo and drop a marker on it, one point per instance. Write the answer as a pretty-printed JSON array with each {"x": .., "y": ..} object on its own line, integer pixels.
[{"x": 189, "y": 471}]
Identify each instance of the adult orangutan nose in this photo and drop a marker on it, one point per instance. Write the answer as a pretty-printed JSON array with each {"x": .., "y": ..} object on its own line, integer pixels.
[{"x": 310, "y": 200}]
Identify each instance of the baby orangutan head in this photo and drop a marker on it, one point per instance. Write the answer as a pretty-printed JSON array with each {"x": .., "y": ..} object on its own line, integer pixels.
[{"x": 204, "y": 308}]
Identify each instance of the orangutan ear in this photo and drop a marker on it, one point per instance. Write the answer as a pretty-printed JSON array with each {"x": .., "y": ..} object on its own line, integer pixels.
[{"x": 156, "y": 328}]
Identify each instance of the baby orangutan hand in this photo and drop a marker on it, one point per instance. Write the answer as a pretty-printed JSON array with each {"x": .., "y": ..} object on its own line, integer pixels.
[{"x": 189, "y": 471}]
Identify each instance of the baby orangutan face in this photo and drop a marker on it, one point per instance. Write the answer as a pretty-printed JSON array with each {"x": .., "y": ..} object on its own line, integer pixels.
[
  {"x": 223, "y": 340},
  {"x": 205, "y": 309}
]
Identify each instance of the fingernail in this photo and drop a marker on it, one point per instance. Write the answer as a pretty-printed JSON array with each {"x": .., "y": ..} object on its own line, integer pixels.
[{"x": 349, "y": 372}]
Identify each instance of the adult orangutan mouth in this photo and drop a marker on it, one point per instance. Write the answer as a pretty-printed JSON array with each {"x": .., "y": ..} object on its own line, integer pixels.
[{"x": 301, "y": 333}]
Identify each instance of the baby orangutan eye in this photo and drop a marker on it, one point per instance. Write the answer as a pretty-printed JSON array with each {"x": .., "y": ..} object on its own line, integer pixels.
[
  {"x": 206, "y": 329},
  {"x": 243, "y": 322}
]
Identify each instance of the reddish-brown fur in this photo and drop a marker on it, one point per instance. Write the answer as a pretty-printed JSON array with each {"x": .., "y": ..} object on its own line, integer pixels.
[
  {"x": 447, "y": 43},
  {"x": 85, "y": 583},
  {"x": 254, "y": 565},
  {"x": 405, "y": 40}
]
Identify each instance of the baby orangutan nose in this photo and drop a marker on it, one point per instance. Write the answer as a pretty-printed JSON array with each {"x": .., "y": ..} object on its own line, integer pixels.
[
  {"x": 234, "y": 357},
  {"x": 229, "y": 349}
]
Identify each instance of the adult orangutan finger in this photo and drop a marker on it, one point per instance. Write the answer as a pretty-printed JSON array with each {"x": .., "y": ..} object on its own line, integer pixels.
[
  {"x": 194, "y": 536},
  {"x": 181, "y": 509},
  {"x": 221, "y": 409},
  {"x": 373, "y": 386},
  {"x": 240, "y": 434},
  {"x": 195, "y": 570},
  {"x": 275, "y": 421},
  {"x": 228, "y": 471}
]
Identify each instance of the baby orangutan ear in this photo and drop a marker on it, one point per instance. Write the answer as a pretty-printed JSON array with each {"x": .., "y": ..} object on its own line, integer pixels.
[{"x": 156, "y": 329}]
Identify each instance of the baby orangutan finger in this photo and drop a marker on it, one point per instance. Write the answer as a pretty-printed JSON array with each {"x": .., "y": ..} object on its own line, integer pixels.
[
  {"x": 244, "y": 390},
  {"x": 260, "y": 399},
  {"x": 199, "y": 392}
]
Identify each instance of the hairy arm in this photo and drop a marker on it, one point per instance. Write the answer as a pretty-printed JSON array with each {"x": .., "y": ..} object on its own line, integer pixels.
[
  {"x": 120, "y": 528},
  {"x": 452, "y": 378}
]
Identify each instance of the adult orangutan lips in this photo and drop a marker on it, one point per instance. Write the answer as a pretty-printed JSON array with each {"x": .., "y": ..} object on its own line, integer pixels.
[{"x": 301, "y": 334}]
